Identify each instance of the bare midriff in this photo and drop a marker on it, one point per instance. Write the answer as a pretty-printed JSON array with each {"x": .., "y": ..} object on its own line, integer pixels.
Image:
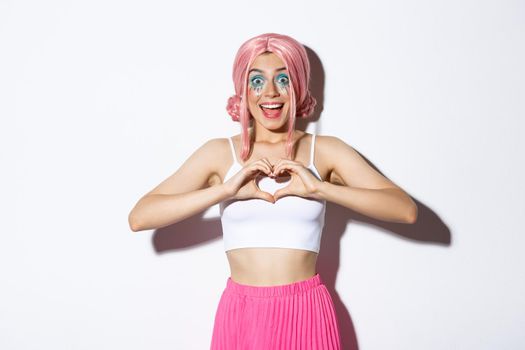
[{"x": 271, "y": 266}]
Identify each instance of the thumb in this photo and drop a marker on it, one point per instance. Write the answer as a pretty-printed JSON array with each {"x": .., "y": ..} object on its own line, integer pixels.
[
  {"x": 279, "y": 193},
  {"x": 266, "y": 196}
]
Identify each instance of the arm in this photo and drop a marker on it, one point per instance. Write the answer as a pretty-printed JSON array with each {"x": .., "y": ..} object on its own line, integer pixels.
[
  {"x": 387, "y": 204},
  {"x": 159, "y": 210},
  {"x": 183, "y": 194},
  {"x": 365, "y": 190}
]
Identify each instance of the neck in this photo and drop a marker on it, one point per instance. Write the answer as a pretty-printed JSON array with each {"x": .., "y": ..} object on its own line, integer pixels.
[{"x": 263, "y": 135}]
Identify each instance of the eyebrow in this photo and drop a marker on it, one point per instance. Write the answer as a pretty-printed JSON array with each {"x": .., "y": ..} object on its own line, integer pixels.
[{"x": 260, "y": 71}]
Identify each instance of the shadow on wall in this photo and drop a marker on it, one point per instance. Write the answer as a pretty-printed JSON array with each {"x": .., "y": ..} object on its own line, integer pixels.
[{"x": 195, "y": 230}]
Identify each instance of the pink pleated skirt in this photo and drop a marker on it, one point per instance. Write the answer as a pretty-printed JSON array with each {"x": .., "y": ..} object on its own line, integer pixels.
[{"x": 296, "y": 316}]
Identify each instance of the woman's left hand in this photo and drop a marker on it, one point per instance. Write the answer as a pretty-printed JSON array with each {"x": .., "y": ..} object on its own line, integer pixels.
[{"x": 303, "y": 183}]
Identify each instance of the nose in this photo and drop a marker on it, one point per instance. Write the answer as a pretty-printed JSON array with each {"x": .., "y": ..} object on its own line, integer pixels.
[{"x": 271, "y": 90}]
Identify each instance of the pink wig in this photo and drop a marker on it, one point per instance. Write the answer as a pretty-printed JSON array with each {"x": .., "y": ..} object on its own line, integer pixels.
[{"x": 293, "y": 54}]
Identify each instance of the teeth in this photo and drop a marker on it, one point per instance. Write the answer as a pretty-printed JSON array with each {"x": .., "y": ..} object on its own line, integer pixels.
[{"x": 272, "y": 106}]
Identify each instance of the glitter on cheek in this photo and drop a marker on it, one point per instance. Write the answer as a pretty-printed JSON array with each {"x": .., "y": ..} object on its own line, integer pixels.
[
  {"x": 257, "y": 90},
  {"x": 283, "y": 83},
  {"x": 283, "y": 89},
  {"x": 257, "y": 85}
]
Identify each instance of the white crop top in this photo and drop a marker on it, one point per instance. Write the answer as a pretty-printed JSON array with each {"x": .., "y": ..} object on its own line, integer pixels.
[{"x": 291, "y": 222}]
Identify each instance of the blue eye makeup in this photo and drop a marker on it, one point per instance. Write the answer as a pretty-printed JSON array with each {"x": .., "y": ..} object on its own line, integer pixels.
[
  {"x": 282, "y": 83},
  {"x": 257, "y": 83},
  {"x": 283, "y": 80}
]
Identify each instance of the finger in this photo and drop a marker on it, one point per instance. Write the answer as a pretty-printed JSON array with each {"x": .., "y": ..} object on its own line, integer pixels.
[
  {"x": 266, "y": 196},
  {"x": 279, "y": 162},
  {"x": 281, "y": 193},
  {"x": 284, "y": 166},
  {"x": 255, "y": 168},
  {"x": 277, "y": 168},
  {"x": 258, "y": 193},
  {"x": 269, "y": 165},
  {"x": 267, "y": 168}
]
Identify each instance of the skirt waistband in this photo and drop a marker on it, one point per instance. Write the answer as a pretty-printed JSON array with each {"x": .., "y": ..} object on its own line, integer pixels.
[{"x": 270, "y": 291}]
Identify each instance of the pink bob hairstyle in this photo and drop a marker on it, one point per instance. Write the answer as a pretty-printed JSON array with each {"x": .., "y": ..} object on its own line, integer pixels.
[{"x": 293, "y": 54}]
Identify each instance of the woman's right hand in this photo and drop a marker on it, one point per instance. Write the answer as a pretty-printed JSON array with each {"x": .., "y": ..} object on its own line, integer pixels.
[{"x": 243, "y": 186}]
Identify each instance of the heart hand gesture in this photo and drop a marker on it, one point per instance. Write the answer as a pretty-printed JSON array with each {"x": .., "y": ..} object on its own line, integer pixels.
[
  {"x": 243, "y": 186},
  {"x": 303, "y": 182}
]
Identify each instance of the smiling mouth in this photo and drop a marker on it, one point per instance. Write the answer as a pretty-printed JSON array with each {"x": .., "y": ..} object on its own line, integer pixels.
[{"x": 271, "y": 106}]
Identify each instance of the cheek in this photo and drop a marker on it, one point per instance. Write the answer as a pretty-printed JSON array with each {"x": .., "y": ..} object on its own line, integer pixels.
[
  {"x": 255, "y": 91},
  {"x": 252, "y": 103},
  {"x": 283, "y": 89},
  {"x": 252, "y": 97}
]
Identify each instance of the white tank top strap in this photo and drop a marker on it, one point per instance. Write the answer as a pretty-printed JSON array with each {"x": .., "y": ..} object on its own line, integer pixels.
[{"x": 312, "y": 148}]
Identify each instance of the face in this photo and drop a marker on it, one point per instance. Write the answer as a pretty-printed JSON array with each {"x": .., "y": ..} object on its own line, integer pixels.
[{"x": 268, "y": 91}]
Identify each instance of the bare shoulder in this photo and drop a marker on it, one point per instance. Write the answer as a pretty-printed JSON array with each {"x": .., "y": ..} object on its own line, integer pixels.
[
  {"x": 328, "y": 149},
  {"x": 199, "y": 170},
  {"x": 329, "y": 146},
  {"x": 347, "y": 167},
  {"x": 333, "y": 144}
]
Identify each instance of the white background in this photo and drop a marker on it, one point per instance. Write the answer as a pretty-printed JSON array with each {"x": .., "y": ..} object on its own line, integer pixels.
[{"x": 102, "y": 100}]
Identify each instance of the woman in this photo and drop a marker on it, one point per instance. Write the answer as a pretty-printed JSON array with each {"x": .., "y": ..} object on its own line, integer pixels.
[{"x": 272, "y": 202}]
